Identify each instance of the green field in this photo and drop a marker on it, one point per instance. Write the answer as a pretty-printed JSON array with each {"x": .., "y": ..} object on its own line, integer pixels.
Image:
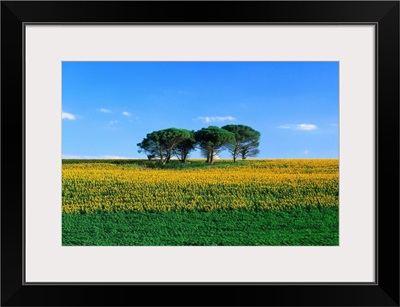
[
  {"x": 249, "y": 203},
  {"x": 243, "y": 228}
]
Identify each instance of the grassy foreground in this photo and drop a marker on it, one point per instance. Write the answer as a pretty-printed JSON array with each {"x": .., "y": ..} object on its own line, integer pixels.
[
  {"x": 233, "y": 228},
  {"x": 256, "y": 202}
]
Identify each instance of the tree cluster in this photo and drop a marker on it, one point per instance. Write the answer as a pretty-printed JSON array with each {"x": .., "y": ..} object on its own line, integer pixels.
[{"x": 240, "y": 140}]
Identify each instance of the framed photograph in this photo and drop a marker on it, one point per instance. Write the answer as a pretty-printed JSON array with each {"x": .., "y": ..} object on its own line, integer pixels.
[{"x": 237, "y": 148}]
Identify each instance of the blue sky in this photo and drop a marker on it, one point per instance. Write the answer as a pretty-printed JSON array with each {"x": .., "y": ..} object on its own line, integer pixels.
[{"x": 109, "y": 107}]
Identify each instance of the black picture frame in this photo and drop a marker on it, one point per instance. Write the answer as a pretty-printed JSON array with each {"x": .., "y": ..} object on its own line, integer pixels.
[{"x": 383, "y": 14}]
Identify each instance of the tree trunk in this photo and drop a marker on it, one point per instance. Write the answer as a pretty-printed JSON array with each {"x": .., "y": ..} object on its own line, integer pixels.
[
  {"x": 161, "y": 156},
  {"x": 168, "y": 156},
  {"x": 235, "y": 153},
  {"x": 184, "y": 157},
  {"x": 212, "y": 156}
]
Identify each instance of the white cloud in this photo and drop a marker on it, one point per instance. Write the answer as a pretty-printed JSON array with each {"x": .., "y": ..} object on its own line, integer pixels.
[
  {"x": 210, "y": 119},
  {"x": 113, "y": 122},
  {"x": 306, "y": 127},
  {"x": 306, "y": 152},
  {"x": 115, "y": 157},
  {"x": 302, "y": 127},
  {"x": 105, "y": 110},
  {"x": 69, "y": 116},
  {"x": 126, "y": 113},
  {"x": 135, "y": 119},
  {"x": 94, "y": 157}
]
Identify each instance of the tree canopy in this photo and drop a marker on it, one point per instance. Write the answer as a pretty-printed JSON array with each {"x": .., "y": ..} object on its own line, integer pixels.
[
  {"x": 212, "y": 139},
  {"x": 240, "y": 140},
  {"x": 246, "y": 141},
  {"x": 162, "y": 143},
  {"x": 182, "y": 150}
]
